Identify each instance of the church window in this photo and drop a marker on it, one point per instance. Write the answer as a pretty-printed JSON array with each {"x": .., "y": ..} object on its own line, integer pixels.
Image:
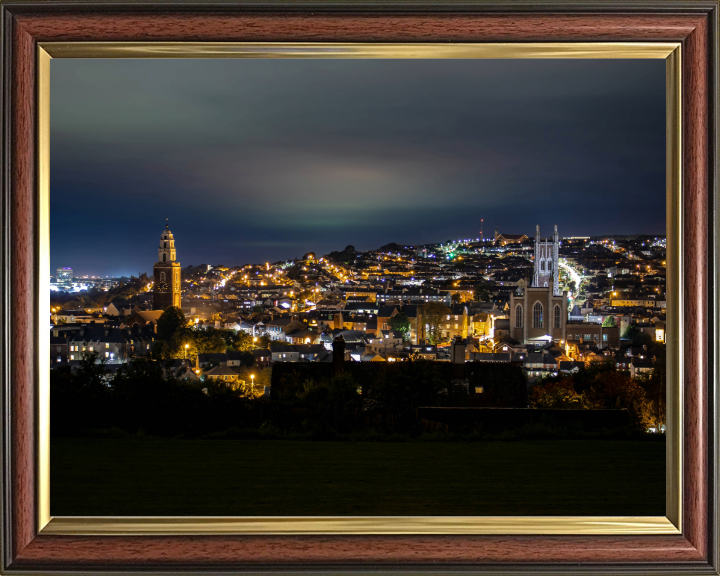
[
  {"x": 165, "y": 244},
  {"x": 518, "y": 316},
  {"x": 557, "y": 316},
  {"x": 537, "y": 315},
  {"x": 164, "y": 256},
  {"x": 162, "y": 276}
]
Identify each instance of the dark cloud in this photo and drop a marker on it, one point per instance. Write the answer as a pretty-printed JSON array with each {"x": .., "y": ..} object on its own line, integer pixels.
[{"x": 257, "y": 160}]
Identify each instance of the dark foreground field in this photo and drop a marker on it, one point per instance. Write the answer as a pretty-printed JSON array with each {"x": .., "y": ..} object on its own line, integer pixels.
[{"x": 274, "y": 477}]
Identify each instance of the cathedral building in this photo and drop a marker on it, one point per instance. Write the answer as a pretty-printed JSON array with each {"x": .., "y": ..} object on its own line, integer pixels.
[
  {"x": 166, "y": 290},
  {"x": 540, "y": 311}
]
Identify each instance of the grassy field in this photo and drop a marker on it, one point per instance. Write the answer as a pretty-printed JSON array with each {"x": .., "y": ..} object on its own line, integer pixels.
[{"x": 278, "y": 478}]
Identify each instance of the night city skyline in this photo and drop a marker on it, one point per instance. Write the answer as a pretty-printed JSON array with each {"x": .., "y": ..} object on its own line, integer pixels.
[{"x": 264, "y": 160}]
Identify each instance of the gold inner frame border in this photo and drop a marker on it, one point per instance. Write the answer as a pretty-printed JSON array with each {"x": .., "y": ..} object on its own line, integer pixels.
[{"x": 380, "y": 525}]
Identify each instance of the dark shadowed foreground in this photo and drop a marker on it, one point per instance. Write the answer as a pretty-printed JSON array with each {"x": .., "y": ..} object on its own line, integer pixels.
[{"x": 287, "y": 478}]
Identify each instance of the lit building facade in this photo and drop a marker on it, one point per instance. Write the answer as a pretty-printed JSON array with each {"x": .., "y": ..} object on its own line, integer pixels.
[{"x": 64, "y": 274}]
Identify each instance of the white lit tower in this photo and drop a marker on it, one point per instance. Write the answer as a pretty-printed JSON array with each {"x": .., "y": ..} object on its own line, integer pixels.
[{"x": 547, "y": 271}]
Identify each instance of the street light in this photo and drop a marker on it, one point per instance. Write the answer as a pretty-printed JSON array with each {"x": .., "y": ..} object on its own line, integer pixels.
[
  {"x": 252, "y": 377},
  {"x": 186, "y": 349}
]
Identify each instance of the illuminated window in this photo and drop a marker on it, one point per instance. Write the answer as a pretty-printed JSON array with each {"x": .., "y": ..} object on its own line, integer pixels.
[
  {"x": 107, "y": 345},
  {"x": 478, "y": 389},
  {"x": 537, "y": 315},
  {"x": 518, "y": 316}
]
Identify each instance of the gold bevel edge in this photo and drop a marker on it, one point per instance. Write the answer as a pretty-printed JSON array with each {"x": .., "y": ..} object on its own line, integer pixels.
[
  {"x": 43, "y": 275},
  {"x": 614, "y": 50},
  {"x": 371, "y": 525},
  {"x": 380, "y": 525},
  {"x": 674, "y": 289}
]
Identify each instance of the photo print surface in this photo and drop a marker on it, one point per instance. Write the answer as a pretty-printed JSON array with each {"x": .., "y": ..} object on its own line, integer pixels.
[{"x": 317, "y": 287}]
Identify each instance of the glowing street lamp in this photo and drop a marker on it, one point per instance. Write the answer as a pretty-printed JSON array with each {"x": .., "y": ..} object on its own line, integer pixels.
[
  {"x": 186, "y": 349},
  {"x": 252, "y": 379}
]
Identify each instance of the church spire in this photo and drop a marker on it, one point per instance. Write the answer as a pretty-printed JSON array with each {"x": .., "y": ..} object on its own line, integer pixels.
[
  {"x": 166, "y": 249},
  {"x": 547, "y": 271},
  {"x": 166, "y": 290}
]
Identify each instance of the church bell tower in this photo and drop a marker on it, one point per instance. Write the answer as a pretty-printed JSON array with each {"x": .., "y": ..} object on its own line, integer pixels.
[
  {"x": 166, "y": 290},
  {"x": 547, "y": 270}
]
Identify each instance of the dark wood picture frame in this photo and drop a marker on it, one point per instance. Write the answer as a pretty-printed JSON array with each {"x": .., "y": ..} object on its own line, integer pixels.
[{"x": 694, "y": 24}]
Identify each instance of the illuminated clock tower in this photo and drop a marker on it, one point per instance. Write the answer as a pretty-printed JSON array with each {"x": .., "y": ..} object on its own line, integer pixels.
[{"x": 166, "y": 291}]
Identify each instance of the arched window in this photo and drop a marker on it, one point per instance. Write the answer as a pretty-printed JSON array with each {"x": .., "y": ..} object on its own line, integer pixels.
[
  {"x": 162, "y": 276},
  {"x": 165, "y": 244},
  {"x": 164, "y": 257},
  {"x": 537, "y": 315},
  {"x": 518, "y": 316},
  {"x": 542, "y": 265},
  {"x": 557, "y": 316}
]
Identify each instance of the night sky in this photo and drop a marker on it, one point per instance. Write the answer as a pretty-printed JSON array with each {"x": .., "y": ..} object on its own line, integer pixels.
[{"x": 264, "y": 160}]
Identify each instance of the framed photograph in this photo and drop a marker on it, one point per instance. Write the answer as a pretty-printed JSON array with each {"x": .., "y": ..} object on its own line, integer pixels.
[{"x": 289, "y": 386}]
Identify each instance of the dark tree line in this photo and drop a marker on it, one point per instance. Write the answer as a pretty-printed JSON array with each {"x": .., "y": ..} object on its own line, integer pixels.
[{"x": 144, "y": 398}]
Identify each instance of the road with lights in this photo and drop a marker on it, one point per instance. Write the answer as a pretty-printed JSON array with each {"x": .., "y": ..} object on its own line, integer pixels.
[{"x": 576, "y": 277}]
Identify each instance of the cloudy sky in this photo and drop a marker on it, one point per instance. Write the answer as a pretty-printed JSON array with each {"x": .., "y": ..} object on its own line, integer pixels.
[{"x": 262, "y": 160}]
